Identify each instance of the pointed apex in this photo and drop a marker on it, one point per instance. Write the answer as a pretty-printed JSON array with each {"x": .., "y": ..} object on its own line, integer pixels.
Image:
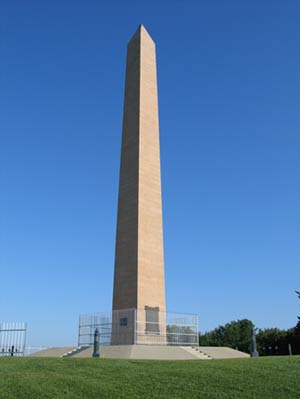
[
  {"x": 142, "y": 27},
  {"x": 141, "y": 30}
]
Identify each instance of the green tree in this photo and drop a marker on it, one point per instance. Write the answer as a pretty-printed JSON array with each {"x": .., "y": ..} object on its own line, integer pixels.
[
  {"x": 236, "y": 335},
  {"x": 180, "y": 334},
  {"x": 298, "y": 295},
  {"x": 272, "y": 341},
  {"x": 298, "y": 324}
]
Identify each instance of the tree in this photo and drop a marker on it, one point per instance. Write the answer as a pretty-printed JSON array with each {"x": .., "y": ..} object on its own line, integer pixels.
[
  {"x": 180, "y": 334},
  {"x": 298, "y": 324},
  {"x": 236, "y": 335},
  {"x": 272, "y": 341},
  {"x": 298, "y": 294}
]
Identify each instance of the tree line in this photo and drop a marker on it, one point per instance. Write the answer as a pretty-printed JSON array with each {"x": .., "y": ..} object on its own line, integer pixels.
[{"x": 270, "y": 341}]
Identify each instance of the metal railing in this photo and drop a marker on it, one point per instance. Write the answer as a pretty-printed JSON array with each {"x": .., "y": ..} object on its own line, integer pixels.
[
  {"x": 147, "y": 326},
  {"x": 12, "y": 339}
]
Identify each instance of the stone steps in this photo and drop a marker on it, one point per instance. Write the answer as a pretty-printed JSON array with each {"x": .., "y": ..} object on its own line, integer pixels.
[
  {"x": 195, "y": 350},
  {"x": 74, "y": 352},
  {"x": 221, "y": 352},
  {"x": 54, "y": 352}
]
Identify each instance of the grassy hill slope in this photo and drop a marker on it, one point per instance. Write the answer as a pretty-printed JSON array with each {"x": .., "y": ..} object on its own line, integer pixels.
[{"x": 38, "y": 378}]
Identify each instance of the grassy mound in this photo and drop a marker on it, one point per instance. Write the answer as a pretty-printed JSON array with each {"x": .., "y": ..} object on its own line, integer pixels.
[{"x": 38, "y": 378}]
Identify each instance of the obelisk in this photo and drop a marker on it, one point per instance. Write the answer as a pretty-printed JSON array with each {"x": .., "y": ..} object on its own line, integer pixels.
[{"x": 139, "y": 260}]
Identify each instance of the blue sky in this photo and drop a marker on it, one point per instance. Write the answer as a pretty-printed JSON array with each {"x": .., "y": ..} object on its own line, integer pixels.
[{"x": 229, "y": 95}]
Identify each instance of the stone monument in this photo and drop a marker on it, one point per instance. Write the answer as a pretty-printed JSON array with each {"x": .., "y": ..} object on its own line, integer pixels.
[
  {"x": 139, "y": 327},
  {"x": 139, "y": 282}
]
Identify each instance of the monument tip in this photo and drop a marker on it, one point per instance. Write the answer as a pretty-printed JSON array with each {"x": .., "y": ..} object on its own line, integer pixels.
[{"x": 141, "y": 28}]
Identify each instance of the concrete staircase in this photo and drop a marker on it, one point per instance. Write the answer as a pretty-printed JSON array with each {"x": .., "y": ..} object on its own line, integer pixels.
[
  {"x": 196, "y": 352},
  {"x": 221, "y": 352},
  {"x": 54, "y": 352},
  {"x": 74, "y": 351}
]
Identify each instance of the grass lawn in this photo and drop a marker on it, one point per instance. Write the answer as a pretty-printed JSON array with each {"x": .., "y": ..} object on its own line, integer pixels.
[{"x": 38, "y": 378}]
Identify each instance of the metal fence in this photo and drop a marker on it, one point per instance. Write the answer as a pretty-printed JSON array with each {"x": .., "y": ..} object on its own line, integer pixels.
[
  {"x": 12, "y": 339},
  {"x": 147, "y": 326}
]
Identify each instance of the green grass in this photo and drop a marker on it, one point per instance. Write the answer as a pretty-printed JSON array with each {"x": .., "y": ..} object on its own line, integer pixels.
[{"x": 38, "y": 378}]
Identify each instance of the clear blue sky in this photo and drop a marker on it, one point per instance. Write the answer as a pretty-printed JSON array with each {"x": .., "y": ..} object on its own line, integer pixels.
[{"x": 229, "y": 97}]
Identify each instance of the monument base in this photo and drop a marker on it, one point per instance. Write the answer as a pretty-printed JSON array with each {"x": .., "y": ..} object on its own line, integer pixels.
[
  {"x": 147, "y": 352},
  {"x": 159, "y": 352}
]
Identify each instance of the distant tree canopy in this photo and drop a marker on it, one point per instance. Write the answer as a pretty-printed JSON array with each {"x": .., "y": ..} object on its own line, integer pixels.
[
  {"x": 297, "y": 328},
  {"x": 298, "y": 324},
  {"x": 270, "y": 341},
  {"x": 236, "y": 335},
  {"x": 183, "y": 334},
  {"x": 273, "y": 341}
]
